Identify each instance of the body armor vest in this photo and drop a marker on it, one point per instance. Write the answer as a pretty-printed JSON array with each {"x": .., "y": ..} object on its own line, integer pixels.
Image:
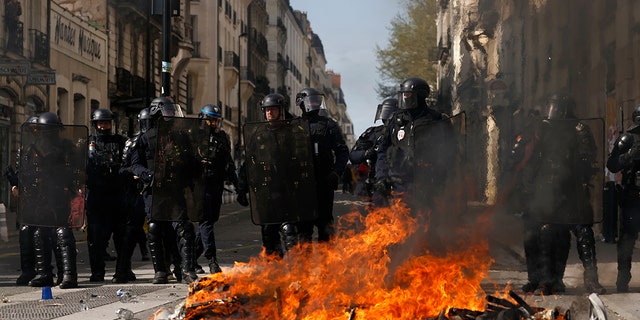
[{"x": 631, "y": 174}]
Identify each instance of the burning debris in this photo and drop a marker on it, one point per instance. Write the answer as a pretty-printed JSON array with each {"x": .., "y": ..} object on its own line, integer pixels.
[{"x": 355, "y": 277}]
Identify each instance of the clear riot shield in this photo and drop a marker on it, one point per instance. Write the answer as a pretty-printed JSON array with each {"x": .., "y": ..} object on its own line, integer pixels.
[
  {"x": 439, "y": 154},
  {"x": 567, "y": 177},
  {"x": 52, "y": 175},
  {"x": 279, "y": 163},
  {"x": 178, "y": 182}
]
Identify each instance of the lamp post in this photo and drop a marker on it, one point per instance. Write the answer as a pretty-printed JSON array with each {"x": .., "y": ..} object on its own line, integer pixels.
[{"x": 239, "y": 143}]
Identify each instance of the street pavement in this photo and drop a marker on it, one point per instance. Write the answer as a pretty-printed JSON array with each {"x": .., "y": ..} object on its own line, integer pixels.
[{"x": 238, "y": 239}]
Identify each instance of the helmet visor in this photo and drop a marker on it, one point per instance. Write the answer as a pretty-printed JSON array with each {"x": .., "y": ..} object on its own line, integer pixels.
[
  {"x": 314, "y": 102},
  {"x": 168, "y": 110},
  {"x": 214, "y": 123},
  {"x": 555, "y": 112},
  {"x": 407, "y": 100}
]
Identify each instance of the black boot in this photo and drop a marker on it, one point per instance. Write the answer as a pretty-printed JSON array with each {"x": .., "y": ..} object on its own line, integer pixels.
[
  {"x": 96, "y": 248},
  {"x": 547, "y": 263},
  {"x": 27, "y": 256},
  {"x": 625, "y": 252},
  {"x": 586, "y": 245},
  {"x": 57, "y": 252},
  {"x": 271, "y": 240},
  {"x": 561, "y": 254},
  {"x": 532, "y": 254},
  {"x": 67, "y": 244},
  {"x": 214, "y": 267},
  {"x": 42, "y": 248},
  {"x": 156, "y": 250},
  {"x": 124, "y": 250},
  {"x": 186, "y": 235}
]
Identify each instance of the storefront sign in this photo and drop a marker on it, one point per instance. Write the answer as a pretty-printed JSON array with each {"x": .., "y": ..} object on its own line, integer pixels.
[
  {"x": 14, "y": 68},
  {"x": 77, "y": 37},
  {"x": 41, "y": 77}
]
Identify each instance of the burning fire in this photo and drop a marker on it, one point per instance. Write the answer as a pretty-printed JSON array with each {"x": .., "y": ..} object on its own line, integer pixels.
[{"x": 355, "y": 274}]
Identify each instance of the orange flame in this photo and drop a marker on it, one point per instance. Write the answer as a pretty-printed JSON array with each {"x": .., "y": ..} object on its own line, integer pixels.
[{"x": 354, "y": 273}]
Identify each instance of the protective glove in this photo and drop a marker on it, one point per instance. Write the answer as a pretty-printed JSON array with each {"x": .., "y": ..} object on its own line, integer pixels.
[
  {"x": 370, "y": 154},
  {"x": 333, "y": 180},
  {"x": 242, "y": 199},
  {"x": 146, "y": 177}
]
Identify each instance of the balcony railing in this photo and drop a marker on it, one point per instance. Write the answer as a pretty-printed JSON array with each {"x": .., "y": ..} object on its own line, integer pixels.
[
  {"x": 196, "y": 50},
  {"x": 247, "y": 74},
  {"x": 39, "y": 47},
  {"x": 123, "y": 81},
  {"x": 231, "y": 59},
  {"x": 15, "y": 39}
]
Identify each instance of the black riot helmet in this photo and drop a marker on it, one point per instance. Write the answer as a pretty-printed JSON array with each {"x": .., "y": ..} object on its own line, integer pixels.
[
  {"x": 49, "y": 118},
  {"x": 413, "y": 93},
  {"x": 273, "y": 100},
  {"x": 559, "y": 106},
  {"x": 144, "y": 120},
  {"x": 386, "y": 110},
  {"x": 102, "y": 115},
  {"x": 212, "y": 115},
  {"x": 32, "y": 122},
  {"x": 33, "y": 119},
  {"x": 310, "y": 99},
  {"x": 635, "y": 115},
  {"x": 162, "y": 106}
]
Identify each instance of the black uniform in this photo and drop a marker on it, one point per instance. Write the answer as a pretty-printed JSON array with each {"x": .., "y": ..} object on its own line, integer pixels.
[
  {"x": 625, "y": 158},
  {"x": 218, "y": 168},
  {"x": 48, "y": 183},
  {"x": 365, "y": 151},
  {"x": 556, "y": 187},
  {"x": 105, "y": 215},
  {"x": 330, "y": 156}
]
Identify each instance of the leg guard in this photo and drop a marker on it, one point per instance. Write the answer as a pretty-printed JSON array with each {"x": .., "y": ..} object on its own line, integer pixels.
[
  {"x": 42, "y": 249},
  {"x": 186, "y": 235},
  {"x": 27, "y": 256},
  {"x": 96, "y": 247},
  {"x": 532, "y": 254},
  {"x": 625, "y": 251},
  {"x": 289, "y": 234},
  {"x": 67, "y": 244},
  {"x": 271, "y": 239},
  {"x": 586, "y": 246},
  {"x": 124, "y": 249},
  {"x": 547, "y": 266},
  {"x": 560, "y": 255},
  {"x": 156, "y": 250}
]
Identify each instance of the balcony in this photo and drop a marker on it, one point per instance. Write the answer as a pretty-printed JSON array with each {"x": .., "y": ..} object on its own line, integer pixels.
[
  {"x": 15, "y": 39},
  {"x": 231, "y": 68},
  {"x": 123, "y": 82},
  {"x": 39, "y": 47},
  {"x": 141, "y": 7}
]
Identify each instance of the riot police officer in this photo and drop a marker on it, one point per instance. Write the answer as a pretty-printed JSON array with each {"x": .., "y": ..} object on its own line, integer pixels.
[
  {"x": 25, "y": 232},
  {"x": 272, "y": 145},
  {"x": 396, "y": 163},
  {"x": 556, "y": 185},
  {"x": 365, "y": 149},
  {"x": 104, "y": 213},
  {"x": 330, "y": 156},
  {"x": 625, "y": 158},
  {"x": 161, "y": 232},
  {"x": 218, "y": 167},
  {"x": 132, "y": 206},
  {"x": 50, "y": 177}
]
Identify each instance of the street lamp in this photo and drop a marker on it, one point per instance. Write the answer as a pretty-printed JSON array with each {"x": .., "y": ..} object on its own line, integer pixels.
[{"x": 239, "y": 143}]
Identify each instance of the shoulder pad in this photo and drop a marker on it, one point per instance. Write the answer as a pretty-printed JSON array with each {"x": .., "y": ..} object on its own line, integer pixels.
[{"x": 625, "y": 142}]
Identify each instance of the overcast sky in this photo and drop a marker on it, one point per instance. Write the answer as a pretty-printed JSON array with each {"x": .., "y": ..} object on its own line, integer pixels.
[{"x": 350, "y": 31}]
